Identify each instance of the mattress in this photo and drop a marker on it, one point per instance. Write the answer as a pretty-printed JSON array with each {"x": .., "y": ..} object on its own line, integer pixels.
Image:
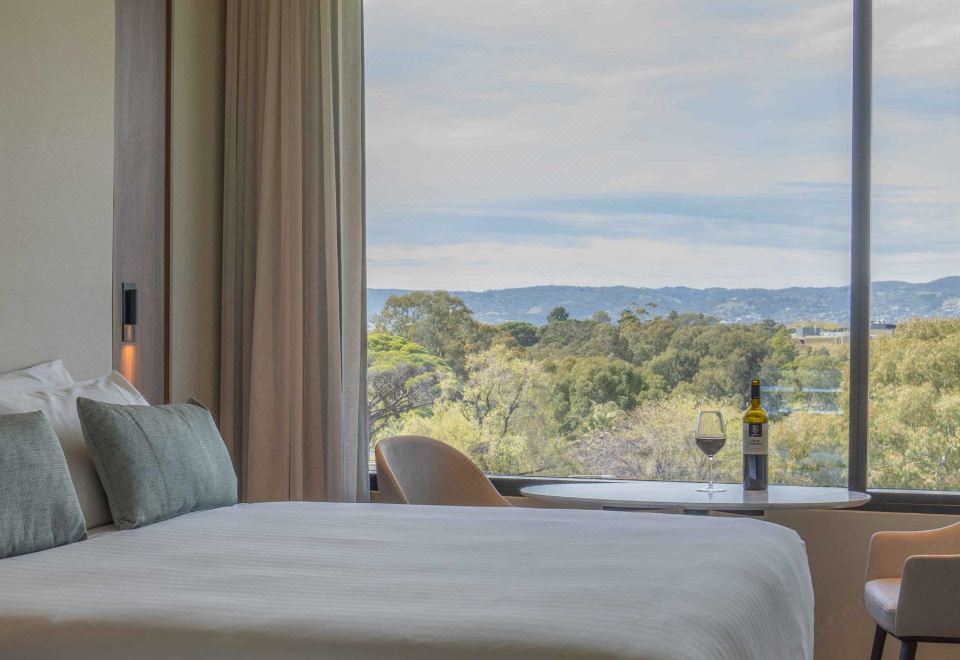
[{"x": 323, "y": 580}]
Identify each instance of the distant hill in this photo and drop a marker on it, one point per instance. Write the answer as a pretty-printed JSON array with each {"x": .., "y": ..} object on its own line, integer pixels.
[{"x": 892, "y": 302}]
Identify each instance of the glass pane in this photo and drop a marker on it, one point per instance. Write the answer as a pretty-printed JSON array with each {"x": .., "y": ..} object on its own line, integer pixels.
[
  {"x": 587, "y": 224},
  {"x": 915, "y": 342}
]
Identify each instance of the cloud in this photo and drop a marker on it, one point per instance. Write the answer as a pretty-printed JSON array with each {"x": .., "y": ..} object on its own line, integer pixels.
[
  {"x": 503, "y": 99},
  {"x": 811, "y": 215},
  {"x": 548, "y": 128},
  {"x": 917, "y": 39},
  {"x": 601, "y": 262}
]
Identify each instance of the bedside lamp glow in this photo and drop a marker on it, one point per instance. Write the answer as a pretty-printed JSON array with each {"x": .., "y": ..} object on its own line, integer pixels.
[{"x": 128, "y": 313}]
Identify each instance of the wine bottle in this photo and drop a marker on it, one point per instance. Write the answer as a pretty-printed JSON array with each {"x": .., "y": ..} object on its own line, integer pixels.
[{"x": 755, "y": 442}]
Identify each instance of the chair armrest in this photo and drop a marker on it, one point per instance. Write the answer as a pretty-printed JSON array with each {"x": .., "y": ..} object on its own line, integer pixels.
[
  {"x": 929, "y": 603},
  {"x": 890, "y": 550}
]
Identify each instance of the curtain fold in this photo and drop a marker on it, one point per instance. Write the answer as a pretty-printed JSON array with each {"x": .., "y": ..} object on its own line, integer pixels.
[{"x": 293, "y": 374}]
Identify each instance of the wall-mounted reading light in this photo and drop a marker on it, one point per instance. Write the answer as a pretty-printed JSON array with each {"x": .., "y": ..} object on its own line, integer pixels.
[{"x": 129, "y": 312}]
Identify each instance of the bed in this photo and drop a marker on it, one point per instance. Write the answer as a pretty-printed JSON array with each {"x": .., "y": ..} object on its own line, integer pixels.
[{"x": 324, "y": 580}]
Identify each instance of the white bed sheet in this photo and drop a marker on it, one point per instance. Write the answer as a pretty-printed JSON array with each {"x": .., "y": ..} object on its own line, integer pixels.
[{"x": 320, "y": 580}]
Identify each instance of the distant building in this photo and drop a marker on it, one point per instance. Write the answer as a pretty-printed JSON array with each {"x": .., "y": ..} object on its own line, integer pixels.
[
  {"x": 807, "y": 331},
  {"x": 811, "y": 334},
  {"x": 880, "y": 329}
]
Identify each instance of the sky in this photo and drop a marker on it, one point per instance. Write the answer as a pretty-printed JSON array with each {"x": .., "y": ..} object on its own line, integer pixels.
[{"x": 653, "y": 142}]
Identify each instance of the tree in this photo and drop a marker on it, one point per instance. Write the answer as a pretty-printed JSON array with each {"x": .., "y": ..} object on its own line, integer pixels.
[
  {"x": 676, "y": 366},
  {"x": 645, "y": 339},
  {"x": 494, "y": 390},
  {"x": 580, "y": 385},
  {"x": 604, "y": 341},
  {"x": 655, "y": 441},
  {"x": 557, "y": 314},
  {"x": 815, "y": 379},
  {"x": 401, "y": 377},
  {"x": 914, "y": 439},
  {"x": 499, "y": 416},
  {"x": 601, "y": 317},
  {"x": 591, "y": 396},
  {"x": 809, "y": 449},
  {"x": 525, "y": 333},
  {"x": 708, "y": 358},
  {"x": 438, "y": 321}
]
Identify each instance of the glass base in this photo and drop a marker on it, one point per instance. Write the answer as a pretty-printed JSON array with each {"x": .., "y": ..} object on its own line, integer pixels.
[{"x": 712, "y": 488}]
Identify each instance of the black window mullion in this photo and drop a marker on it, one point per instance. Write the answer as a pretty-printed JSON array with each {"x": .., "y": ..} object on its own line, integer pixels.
[{"x": 860, "y": 245}]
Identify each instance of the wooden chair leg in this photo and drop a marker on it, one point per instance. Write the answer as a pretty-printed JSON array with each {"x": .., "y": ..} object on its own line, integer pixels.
[
  {"x": 879, "y": 637},
  {"x": 908, "y": 650}
]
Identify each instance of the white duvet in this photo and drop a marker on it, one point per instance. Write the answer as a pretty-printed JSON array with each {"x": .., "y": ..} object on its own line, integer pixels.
[{"x": 317, "y": 580}]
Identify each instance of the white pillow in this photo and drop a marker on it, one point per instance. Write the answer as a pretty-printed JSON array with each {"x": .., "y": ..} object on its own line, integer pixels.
[
  {"x": 59, "y": 404},
  {"x": 45, "y": 374}
]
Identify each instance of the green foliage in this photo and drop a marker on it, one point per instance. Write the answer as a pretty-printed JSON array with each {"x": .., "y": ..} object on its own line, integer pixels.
[
  {"x": 498, "y": 416},
  {"x": 525, "y": 333},
  {"x": 383, "y": 347},
  {"x": 655, "y": 441},
  {"x": 710, "y": 359},
  {"x": 619, "y": 398},
  {"x": 815, "y": 377},
  {"x": 582, "y": 384},
  {"x": 401, "y": 377},
  {"x": 809, "y": 449},
  {"x": 557, "y": 314},
  {"x": 574, "y": 337},
  {"x": 915, "y": 407},
  {"x": 440, "y": 322},
  {"x": 564, "y": 335},
  {"x": 646, "y": 340},
  {"x": 495, "y": 391}
]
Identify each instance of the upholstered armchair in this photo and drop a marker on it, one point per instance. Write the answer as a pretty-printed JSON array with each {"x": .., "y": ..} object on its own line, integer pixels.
[
  {"x": 413, "y": 469},
  {"x": 913, "y": 588}
]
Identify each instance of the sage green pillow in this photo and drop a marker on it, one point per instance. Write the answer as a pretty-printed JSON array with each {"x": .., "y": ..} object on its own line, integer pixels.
[
  {"x": 157, "y": 462},
  {"x": 38, "y": 505}
]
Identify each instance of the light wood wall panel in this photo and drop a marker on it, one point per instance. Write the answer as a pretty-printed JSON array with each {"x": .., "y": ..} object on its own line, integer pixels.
[{"x": 141, "y": 185}]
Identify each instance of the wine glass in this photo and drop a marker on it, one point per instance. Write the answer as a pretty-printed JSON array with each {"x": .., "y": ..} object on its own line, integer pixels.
[{"x": 711, "y": 436}]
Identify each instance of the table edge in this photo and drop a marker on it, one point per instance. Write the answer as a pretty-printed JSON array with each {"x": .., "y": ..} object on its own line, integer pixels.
[{"x": 701, "y": 506}]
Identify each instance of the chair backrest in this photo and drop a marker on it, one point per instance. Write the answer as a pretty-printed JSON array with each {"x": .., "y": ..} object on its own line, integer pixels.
[{"x": 412, "y": 469}]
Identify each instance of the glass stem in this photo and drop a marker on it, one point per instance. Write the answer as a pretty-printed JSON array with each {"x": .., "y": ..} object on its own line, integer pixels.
[{"x": 710, "y": 472}]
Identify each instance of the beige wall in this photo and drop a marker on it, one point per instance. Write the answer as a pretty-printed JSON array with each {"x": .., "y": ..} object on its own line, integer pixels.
[
  {"x": 56, "y": 183},
  {"x": 196, "y": 183}
]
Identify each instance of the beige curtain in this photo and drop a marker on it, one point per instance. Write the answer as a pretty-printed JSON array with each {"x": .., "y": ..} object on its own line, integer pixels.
[{"x": 293, "y": 365}]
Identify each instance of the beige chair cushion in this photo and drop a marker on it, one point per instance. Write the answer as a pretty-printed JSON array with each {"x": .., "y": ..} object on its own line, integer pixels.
[{"x": 880, "y": 597}]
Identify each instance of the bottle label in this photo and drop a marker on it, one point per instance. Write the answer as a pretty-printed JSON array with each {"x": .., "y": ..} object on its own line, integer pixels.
[{"x": 754, "y": 438}]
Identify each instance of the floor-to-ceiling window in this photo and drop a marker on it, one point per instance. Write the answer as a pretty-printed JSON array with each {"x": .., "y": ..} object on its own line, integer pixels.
[{"x": 589, "y": 221}]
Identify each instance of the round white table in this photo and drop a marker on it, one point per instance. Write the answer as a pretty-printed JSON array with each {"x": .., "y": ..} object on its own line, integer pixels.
[{"x": 683, "y": 495}]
